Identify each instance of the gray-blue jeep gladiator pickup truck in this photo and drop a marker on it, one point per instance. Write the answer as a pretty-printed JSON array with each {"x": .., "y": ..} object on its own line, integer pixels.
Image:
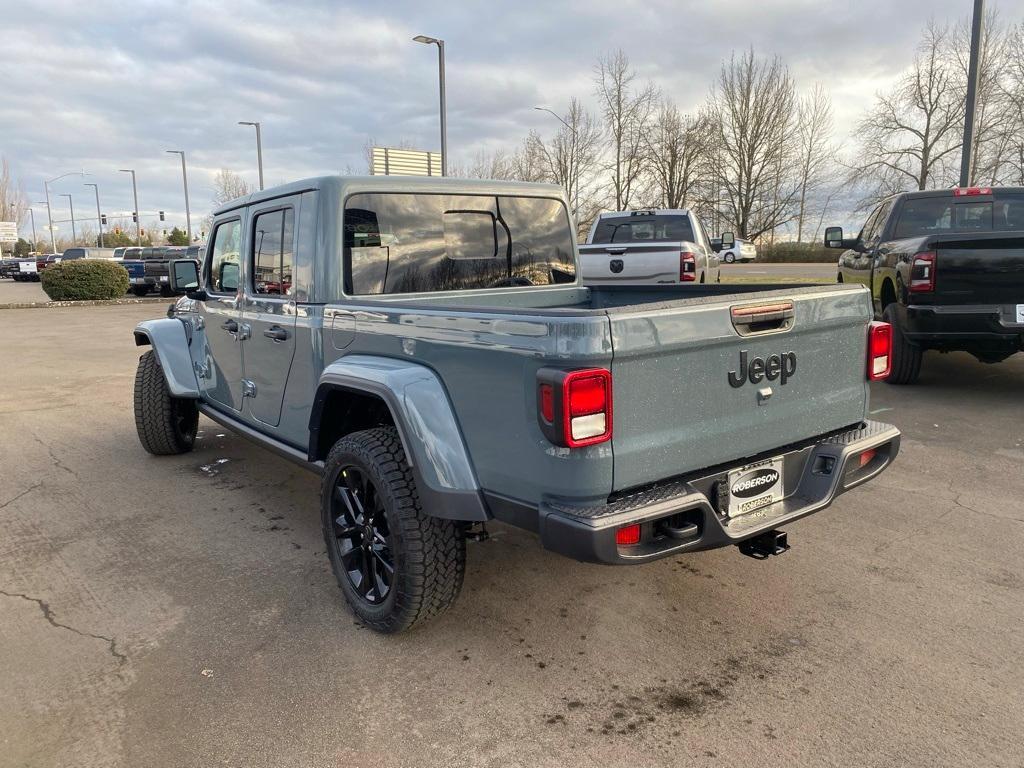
[{"x": 425, "y": 345}]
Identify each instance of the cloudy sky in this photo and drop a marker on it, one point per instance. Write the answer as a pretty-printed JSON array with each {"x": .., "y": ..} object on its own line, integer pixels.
[{"x": 105, "y": 85}]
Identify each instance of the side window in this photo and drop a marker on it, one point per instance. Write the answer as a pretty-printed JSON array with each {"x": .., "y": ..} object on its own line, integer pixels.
[
  {"x": 706, "y": 241},
  {"x": 870, "y": 230},
  {"x": 273, "y": 252},
  {"x": 225, "y": 261}
]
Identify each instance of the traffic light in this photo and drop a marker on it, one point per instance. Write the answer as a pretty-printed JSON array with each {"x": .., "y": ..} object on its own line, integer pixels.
[
  {"x": 135, "y": 218},
  {"x": 103, "y": 219},
  {"x": 161, "y": 215}
]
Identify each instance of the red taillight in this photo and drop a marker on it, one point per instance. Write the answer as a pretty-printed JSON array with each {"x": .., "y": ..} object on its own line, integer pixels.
[
  {"x": 575, "y": 407},
  {"x": 879, "y": 350},
  {"x": 687, "y": 267},
  {"x": 971, "y": 191},
  {"x": 922, "y": 272},
  {"x": 628, "y": 535}
]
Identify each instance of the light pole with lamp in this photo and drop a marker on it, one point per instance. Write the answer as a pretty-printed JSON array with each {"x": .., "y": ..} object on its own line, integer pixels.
[
  {"x": 444, "y": 117},
  {"x": 99, "y": 216},
  {"x": 74, "y": 234},
  {"x": 49, "y": 213},
  {"x": 135, "y": 196},
  {"x": 575, "y": 173},
  {"x": 184, "y": 180},
  {"x": 259, "y": 147}
]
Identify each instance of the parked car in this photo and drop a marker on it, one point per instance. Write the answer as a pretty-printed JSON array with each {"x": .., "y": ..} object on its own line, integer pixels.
[
  {"x": 648, "y": 247},
  {"x": 89, "y": 253},
  {"x": 734, "y": 249},
  {"x": 428, "y": 364},
  {"x": 946, "y": 269},
  {"x": 8, "y": 267}
]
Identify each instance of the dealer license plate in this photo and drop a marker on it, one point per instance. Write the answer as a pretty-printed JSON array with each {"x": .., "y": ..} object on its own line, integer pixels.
[
  {"x": 1020, "y": 313},
  {"x": 755, "y": 486}
]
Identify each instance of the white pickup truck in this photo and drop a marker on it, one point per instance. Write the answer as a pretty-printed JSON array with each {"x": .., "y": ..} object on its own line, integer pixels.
[{"x": 648, "y": 247}]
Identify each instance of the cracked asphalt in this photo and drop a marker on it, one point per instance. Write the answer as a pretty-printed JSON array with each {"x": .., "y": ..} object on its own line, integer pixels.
[{"x": 181, "y": 611}]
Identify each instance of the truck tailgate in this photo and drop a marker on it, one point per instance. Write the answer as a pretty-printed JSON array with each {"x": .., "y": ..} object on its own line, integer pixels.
[
  {"x": 675, "y": 409},
  {"x": 636, "y": 264},
  {"x": 982, "y": 268}
]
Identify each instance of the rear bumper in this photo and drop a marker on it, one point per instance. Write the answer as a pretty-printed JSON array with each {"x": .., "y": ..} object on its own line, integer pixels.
[
  {"x": 963, "y": 323},
  {"x": 683, "y": 515}
]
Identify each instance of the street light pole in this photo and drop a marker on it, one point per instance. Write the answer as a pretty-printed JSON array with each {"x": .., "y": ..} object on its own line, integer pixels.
[
  {"x": 32, "y": 217},
  {"x": 973, "y": 75},
  {"x": 99, "y": 216},
  {"x": 49, "y": 213},
  {"x": 259, "y": 147},
  {"x": 135, "y": 195},
  {"x": 575, "y": 172},
  {"x": 444, "y": 109},
  {"x": 184, "y": 180},
  {"x": 74, "y": 234}
]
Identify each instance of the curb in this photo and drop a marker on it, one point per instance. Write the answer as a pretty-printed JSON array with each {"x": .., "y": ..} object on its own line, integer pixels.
[{"x": 85, "y": 303}]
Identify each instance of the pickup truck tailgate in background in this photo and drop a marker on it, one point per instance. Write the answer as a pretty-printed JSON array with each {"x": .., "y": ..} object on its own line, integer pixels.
[
  {"x": 633, "y": 263},
  {"x": 675, "y": 409},
  {"x": 983, "y": 268}
]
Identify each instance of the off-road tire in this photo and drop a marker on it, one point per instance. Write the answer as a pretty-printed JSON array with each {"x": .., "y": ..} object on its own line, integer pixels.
[
  {"x": 906, "y": 357},
  {"x": 166, "y": 424},
  {"x": 429, "y": 553}
]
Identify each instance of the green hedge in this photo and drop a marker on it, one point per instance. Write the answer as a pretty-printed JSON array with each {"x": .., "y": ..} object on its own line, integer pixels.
[
  {"x": 84, "y": 279},
  {"x": 799, "y": 253}
]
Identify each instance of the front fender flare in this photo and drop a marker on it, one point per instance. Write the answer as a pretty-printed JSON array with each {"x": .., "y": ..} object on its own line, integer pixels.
[
  {"x": 426, "y": 424},
  {"x": 170, "y": 343}
]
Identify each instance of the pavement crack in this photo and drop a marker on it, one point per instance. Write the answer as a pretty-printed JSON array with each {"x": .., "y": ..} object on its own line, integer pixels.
[
  {"x": 53, "y": 456},
  {"x": 50, "y": 617},
  {"x": 26, "y": 492}
]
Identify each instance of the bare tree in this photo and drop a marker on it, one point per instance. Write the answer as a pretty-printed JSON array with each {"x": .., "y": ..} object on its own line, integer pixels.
[
  {"x": 815, "y": 152},
  {"x": 910, "y": 139},
  {"x": 1013, "y": 93},
  {"x": 627, "y": 111},
  {"x": 676, "y": 148},
  {"x": 573, "y": 155},
  {"x": 228, "y": 185},
  {"x": 753, "y": 106}
]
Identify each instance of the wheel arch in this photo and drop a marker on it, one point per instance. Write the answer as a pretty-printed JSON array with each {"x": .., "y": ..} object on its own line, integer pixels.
[
  {"x": 170, "y": 343},
  {"x": 362, "y": 391}
]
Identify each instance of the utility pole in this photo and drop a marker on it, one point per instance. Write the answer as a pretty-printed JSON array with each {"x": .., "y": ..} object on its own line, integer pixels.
[
  {"x": 259, "y": 147},
  {"x": 32, "y": 217},
  {"x": 135, "y": 195},
  {"x": 74, "y": 234},
  {"x": 49, "y": 212},
  {"x": 99, "y": 216},
  {"x": 184, "y": 180},
  {"x": 973, "y": 74}
]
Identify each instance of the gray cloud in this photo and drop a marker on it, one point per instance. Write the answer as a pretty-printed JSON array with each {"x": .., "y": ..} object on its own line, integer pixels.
[{"x": 107, "y": 85}]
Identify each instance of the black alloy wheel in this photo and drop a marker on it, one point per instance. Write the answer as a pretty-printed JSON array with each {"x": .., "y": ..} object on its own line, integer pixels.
[{"x": 362, "y": 539}]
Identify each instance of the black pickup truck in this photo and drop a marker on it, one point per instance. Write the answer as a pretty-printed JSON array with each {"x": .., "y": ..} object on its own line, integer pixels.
[{"x": 946, "y": 269}]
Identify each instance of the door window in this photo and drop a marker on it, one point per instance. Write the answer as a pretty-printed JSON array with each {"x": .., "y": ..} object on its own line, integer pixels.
[
  {"x": 225, "y": 259},
  {"x": 273, "y": 252}
]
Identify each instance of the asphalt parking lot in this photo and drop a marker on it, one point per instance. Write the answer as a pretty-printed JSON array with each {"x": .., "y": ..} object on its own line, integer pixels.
[{"x": 181, "y": 611}]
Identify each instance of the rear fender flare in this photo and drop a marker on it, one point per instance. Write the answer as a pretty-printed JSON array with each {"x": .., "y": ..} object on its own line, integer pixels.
[
  {"x": 426, "y": 424},
  {"x": 170, "y": 343}
]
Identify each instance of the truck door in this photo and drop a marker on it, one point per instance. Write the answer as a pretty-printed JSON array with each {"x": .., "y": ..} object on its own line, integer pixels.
[
  {"x": 221, "y": 380},
  {"x": 269, "y": 308}
]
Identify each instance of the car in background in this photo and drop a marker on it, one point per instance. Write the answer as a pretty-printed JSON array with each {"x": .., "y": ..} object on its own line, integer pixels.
[
  {"x": 79, "y": 252},
  {"x": 945, "y": 268},
  {"x": 153, "y": 261},
  {"x": 648, "y": 247},
  {"x": 9, "y": 267},
  {"x": 740, "y": 250}
]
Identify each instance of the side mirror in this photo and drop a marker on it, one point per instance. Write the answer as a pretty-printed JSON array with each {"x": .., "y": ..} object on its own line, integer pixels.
[
  {"x": 716, "y": 244},
  {"x": 183, "y": 276},
  {"x": 834, "y": 237},
  {"x": 728, "y": 240}
]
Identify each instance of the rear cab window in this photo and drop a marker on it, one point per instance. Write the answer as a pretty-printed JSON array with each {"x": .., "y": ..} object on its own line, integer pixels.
[
  {"x": 937, "y": 215},
  {"x": 653, "y": 228},
  {"x": 414, "y": 243}
]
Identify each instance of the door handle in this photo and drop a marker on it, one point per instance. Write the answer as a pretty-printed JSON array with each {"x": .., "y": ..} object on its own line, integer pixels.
[
  {"x": 276, "y": 332},
  {"x": 230, "y": 326}
]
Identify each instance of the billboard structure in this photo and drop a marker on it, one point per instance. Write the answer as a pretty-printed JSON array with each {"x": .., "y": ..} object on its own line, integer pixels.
[{"x": 389, "y": 161}]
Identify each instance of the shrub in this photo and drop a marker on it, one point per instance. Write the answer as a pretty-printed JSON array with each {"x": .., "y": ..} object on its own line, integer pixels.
[
  {"x": 802, "y": 253},
  {"x": 84, "y": 279}
]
